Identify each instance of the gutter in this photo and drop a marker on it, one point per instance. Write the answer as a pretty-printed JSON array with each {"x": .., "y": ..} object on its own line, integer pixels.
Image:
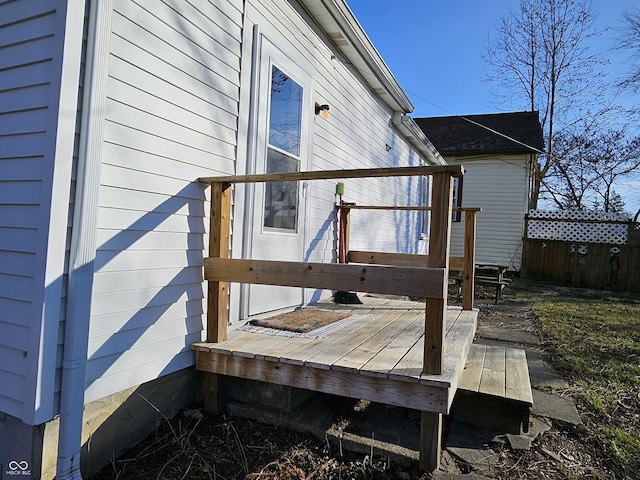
[
  {"x": 410, "y": 129},
  {"x": 83, "y": 244}
]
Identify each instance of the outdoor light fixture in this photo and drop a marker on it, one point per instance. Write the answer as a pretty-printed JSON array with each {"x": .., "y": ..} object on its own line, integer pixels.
[{"x": 322, "y": 110}]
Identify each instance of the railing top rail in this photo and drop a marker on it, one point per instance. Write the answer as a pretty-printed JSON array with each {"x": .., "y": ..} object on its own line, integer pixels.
[
  {"x": 454, "y": 170},
  {"x": 407, "y": 207}
]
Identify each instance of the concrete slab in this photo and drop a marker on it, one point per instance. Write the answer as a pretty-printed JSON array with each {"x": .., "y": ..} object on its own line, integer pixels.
[
  {"x": 348, "y": 425},
  {"x": 518, "y": 338},
  {"x": 556, "y": 407},
  {"x": 538, "y": 426},
  {"x": 449, "y": 464},
  {"x": 381, "y": 422},
  {"x": 519, "y": 442},
  {"x": 541, "y": 373},
  {"x": 469, "y": 444}
]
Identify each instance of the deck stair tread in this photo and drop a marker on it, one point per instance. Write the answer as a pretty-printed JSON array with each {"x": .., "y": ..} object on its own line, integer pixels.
[
  {"x": 494, "y": 389},
  {"x": 499, "y": 372}
]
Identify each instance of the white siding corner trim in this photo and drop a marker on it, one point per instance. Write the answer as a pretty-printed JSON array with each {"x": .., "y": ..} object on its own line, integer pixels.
[{"x": 69, "y": 52}]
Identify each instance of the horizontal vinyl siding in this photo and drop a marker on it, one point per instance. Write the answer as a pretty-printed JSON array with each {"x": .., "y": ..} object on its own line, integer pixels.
[
  {"x": 354, "y": 136},
  {"x": 500, "y": 187},
  {"x": 26, "y": 49},
  {"x": 171, "y": 117}
]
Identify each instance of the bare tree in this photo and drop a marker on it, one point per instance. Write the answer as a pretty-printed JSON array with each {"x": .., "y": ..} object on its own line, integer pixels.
[
  {"x": 540, "y": 56},
  {"x": 629, "y": 41},
  {"x": 593, "y": 162}
]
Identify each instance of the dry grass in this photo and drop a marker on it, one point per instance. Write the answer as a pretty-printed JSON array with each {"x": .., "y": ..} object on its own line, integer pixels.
[
  {"x": 594, "y": 339},
  {"x": 222, "y": 448}
]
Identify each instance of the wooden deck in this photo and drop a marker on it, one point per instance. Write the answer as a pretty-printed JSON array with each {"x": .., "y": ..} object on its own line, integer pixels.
[
  {"x": 383, "y": 357},
  {"x": 378, "y": 357}
]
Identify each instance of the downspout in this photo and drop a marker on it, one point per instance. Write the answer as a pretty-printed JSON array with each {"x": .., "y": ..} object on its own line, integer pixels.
[{"x": 83, "y": 244}]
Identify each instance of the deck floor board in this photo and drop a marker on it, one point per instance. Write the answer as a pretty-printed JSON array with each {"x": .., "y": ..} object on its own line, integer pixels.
[
  {"x": 300, "y": 354},
  {"x": 351, "y": 344},
  {"x": 388, "y": 357},
  {"x": 376, "y": 343},
  {"x": 380, "y": 355}
]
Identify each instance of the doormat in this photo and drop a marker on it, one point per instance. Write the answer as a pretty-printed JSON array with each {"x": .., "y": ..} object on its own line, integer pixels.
[{"x": 306, "y": 323}]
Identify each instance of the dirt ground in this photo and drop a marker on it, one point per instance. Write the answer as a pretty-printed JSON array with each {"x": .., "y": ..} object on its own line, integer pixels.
[{"x": 224, "y": 448}]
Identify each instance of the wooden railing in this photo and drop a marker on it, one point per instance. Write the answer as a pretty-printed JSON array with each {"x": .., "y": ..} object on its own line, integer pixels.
[
  {"x": 428, "y": 280},
  {"x": 464, "y": 264}
]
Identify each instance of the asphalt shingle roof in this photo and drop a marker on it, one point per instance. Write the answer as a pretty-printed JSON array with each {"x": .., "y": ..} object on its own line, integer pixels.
[{"x": 457, "y": 136}]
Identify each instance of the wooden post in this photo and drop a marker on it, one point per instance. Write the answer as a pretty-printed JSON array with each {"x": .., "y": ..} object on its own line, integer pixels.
[
  {"x": 217, "y": 311},
  {"x": 439, "y": 241},
  {"x": 435, "y": 315},
  {"x": 220, "y": 220},
  {"x": 468, "y": 273},
  {"x": 430, "y": 440},
  {"x": 343, "y": 240}
]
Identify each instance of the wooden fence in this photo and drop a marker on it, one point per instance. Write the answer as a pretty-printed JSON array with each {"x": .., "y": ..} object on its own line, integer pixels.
[{"x": 583, "y": 252}]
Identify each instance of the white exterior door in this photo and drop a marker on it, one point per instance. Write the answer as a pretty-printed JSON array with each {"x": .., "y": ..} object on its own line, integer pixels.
[{"x": 282, "y": 145}]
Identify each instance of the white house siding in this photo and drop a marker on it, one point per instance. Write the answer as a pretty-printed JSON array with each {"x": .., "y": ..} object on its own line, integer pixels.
[
  {"x": 499, "y": 187},
  {"x": 354, "y": 136},
  {"x": 37, "y": 127},
  {"x": 171, "y": 116}
]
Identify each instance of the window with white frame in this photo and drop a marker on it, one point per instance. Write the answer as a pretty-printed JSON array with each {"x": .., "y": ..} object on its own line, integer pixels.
[
  {"x": 456, "y": 216},
  {"x": 426, "y": 202}
]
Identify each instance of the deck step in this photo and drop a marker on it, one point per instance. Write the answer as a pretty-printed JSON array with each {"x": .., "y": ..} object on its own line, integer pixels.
[{"x": 494, "y": 390}]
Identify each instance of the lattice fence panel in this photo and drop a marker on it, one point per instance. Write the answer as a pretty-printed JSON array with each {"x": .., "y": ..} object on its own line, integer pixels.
[{"x": 578, "y": 226}]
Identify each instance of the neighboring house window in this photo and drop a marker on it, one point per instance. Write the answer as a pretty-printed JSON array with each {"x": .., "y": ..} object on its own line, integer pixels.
[
  {"x": 457, "y": 199},
  {"x": 426, "y": 202}
]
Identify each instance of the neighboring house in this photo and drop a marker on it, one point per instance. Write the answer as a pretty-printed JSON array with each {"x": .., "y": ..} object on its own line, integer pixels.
[
  {"x": 109, "y": 112},
  {"x": 497, "y": 151}
]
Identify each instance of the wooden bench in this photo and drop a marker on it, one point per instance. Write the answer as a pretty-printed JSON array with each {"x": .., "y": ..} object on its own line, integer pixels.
[
  {"x": 493, "y": 282},
  {"x": 494, "y": 390},
  {"x": 487, "y": 277}
]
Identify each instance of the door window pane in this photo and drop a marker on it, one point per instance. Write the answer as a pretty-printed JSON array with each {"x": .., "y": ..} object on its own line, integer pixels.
[
  {"x": 283, "y": 151},
  {"x": 281, "y": 198},
  {"x": 285, "y": 117}
]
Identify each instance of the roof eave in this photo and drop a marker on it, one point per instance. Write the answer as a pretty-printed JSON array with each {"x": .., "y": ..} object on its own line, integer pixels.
[
  {"x": 480, "y": 152},
  {"x": 339, "y": 23}
]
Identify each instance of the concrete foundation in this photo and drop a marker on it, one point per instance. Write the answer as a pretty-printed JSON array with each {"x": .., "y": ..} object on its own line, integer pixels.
[
  {"x": 20, "y": 448},
  {"x": 112, "y": 425}
]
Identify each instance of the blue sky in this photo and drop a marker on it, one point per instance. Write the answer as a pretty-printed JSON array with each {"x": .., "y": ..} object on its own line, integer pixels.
[{"x": 434, "y": 49}]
